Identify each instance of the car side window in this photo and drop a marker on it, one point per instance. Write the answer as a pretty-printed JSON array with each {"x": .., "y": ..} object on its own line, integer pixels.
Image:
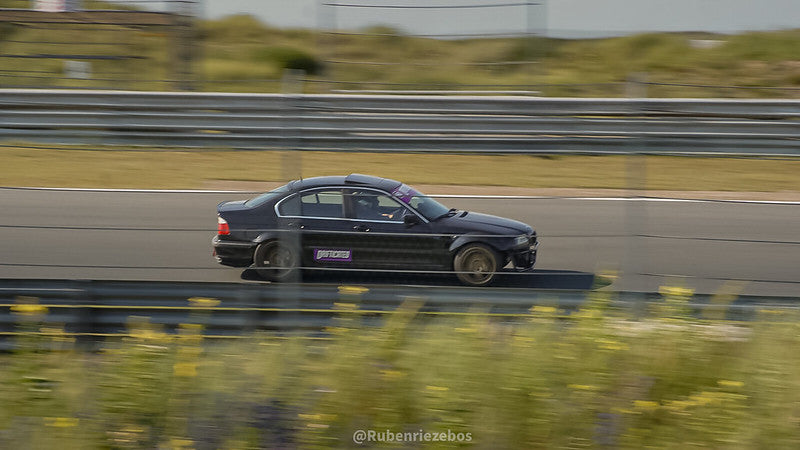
[
  {"x": 290, "y": 206},
  {"x": 323, "y": 203},
  {"x": 372, "y": 205}
]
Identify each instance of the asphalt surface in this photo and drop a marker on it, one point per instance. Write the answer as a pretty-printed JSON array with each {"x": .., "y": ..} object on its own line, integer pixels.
[{"x": 747, "y": 248}]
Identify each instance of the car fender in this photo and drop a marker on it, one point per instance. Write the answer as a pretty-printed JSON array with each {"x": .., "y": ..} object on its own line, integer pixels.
[
  {"x": 465, "y": 239},
  {"x": 268, "y": 236}
]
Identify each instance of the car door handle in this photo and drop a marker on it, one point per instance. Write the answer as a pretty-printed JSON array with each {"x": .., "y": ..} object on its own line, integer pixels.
[
  {"x": 361, "y": 228},
  {"x": 295, "y": 225}
]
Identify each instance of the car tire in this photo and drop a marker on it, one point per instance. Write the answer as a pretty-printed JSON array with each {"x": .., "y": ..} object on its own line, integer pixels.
[
  {"x": 272, "y": 254},
  {"x": 476, "y": 264}
]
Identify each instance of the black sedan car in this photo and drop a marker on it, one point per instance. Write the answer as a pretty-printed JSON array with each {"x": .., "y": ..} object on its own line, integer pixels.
[{"x": 364, "y": 222}]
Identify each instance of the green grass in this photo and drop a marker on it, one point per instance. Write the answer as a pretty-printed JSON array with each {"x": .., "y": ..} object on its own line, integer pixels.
[
  {"x": 596, "y": 377},
  {"x": 170, "y": 169},
  {"x": 236, "y": 50}
]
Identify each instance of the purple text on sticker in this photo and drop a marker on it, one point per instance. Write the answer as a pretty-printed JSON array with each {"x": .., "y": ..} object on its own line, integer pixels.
[{"x": 327, "y": 254}]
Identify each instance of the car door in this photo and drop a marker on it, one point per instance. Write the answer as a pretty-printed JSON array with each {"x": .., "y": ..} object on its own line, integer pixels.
[
  {"x": 385, "y": 239},
  {"x": 325, "y": 235}
]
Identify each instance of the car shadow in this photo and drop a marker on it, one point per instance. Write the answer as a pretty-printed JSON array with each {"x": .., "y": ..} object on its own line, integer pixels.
[{"x": 536, "y": 279}]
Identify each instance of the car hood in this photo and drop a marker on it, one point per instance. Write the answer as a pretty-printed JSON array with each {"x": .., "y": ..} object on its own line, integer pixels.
[{"x": 464, "y": 221}]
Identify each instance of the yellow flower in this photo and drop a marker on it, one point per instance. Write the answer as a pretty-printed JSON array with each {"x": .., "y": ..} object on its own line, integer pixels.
[
  {"x": 203, "y": 302},
  {"x": 645, "y": 405},
  {"x": 437, "y": 388},
  {"x": 587, "y": 314},
  {"x": 179, "y": 444},
  {"x": 191, "y": 327},
  {"x": 547, "y": 310},
  {"x": 345, "y": 306},
  {"x": 582, "y": 387},
  {"x": 352, "y": 290},
  {"x": 318, "y": 417},
  {"x": 679, "y": 405},
  {"x": 610, "y": 344},
  {"x": 675, "y": 291},
  {"x": 191, "y": 333},
  {"x": 61, "y": 422},
  {"x": 336, "y": 330},
  {"x": 149, "y": 334},
  {"x": 189, "y": 352},
  {"x": 730, "y": 384},
  {"x": 392, "y": 374},
  {"x": 29, "y": 309},
  {"x": 310, "y": 416},
  {"x": 185, "y": 369}
]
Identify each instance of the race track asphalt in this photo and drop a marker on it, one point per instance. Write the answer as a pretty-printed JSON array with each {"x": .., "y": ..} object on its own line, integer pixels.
[{"x": 710, "y": 246}]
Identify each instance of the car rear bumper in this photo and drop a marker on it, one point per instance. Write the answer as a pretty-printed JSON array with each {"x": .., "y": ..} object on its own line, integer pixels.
[{"x": 232, "y": 253}]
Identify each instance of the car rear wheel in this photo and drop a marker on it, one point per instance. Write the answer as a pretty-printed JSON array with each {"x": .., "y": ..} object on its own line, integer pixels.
[
  {"x": 476, "y": 264},
  {"x": 276, "y": 261}
]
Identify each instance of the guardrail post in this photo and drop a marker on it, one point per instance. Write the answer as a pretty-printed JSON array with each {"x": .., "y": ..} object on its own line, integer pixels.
[
  {"x": 292, "y": 168},
  {"x": 248, "y": 300},
  {"x": 85, "y": 320},
  {"x": 635, "y": 259}
]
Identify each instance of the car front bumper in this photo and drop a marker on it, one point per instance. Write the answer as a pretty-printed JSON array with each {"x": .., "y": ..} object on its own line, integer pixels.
[
  {"x": 232, "y": 253},
  {"x": 525, "y": 258}
]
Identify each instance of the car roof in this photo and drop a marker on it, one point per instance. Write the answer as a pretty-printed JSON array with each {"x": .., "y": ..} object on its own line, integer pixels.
[{"x": 354, "y": 179}]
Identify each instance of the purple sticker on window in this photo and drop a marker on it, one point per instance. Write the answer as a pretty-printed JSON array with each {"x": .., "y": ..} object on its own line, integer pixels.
[
  {"x": 329, "y": 254},
  {"x": 404, "y": 193}
]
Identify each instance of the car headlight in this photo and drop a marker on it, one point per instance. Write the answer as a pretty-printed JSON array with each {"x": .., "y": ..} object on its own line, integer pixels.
[{"x": 521, "y": 240}]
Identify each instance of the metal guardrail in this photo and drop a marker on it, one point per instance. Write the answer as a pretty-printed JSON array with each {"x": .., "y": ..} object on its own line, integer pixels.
[
  {"x": 402, "y": 123},
  {"x": 92, "y": 310}
]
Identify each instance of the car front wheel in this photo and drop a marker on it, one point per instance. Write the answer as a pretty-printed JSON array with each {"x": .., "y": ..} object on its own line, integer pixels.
[
  {"x": 476, "y": 264},
  {"x": 276, "y": 261}
]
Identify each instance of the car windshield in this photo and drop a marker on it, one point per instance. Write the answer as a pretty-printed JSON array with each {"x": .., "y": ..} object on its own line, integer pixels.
[
  {"x": 427, "y": 206},
  {"x": 265, "y": 197}
]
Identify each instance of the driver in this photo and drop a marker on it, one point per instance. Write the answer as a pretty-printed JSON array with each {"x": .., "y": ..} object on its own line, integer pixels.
[{"x": 366, "y": 206}]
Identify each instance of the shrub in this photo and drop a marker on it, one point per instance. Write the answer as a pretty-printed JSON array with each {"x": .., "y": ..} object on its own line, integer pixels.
[{"x": 290, "y": 58}]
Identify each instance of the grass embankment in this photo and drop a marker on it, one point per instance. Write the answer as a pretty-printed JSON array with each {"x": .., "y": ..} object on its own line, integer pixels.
[
  {"x": 201, "y": 169},
  {"x": 240, "y": 54},
  {"x": 594, "y": 378},
  {"x": 236, "y": 51}
]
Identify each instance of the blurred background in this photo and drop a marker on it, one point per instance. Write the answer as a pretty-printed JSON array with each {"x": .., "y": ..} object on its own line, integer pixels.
[
  {"x": 652, "y": 145},
  {"x": 562, "y": 48}
]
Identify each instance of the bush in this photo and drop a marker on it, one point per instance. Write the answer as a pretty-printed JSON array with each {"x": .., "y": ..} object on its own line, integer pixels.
[{"x": 290, "y": 58}]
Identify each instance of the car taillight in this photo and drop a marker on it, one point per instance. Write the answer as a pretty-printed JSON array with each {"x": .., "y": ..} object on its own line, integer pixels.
[{"x": 222, "y": 227}]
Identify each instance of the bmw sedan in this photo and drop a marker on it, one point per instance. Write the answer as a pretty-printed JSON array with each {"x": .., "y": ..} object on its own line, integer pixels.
[{"x": 361, "y": 222}]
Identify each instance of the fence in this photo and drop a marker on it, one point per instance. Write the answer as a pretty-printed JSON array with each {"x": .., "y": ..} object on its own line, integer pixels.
[
  {"x": 385, "y": 123},
  {"x": 93, "y": 310},
  {"x": 488, "y": 125},
  {"x": 98, "y": 44}
]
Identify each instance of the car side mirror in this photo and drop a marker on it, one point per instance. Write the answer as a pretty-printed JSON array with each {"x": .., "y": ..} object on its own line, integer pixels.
[{"x": 411, "y": 219}]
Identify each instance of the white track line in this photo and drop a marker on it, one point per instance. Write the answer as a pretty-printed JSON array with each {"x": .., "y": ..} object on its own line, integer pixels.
[{"x": 466, "y": 196}]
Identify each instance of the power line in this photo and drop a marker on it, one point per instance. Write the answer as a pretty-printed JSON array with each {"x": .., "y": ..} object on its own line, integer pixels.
[
  {"x": 485, "y": 5},
  {"x": 454, "y": 35},
  {"x": 433, "y": 64}
]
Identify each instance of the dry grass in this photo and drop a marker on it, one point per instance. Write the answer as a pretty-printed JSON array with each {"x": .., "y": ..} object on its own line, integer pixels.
[{"x": 169, "y": 169}]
